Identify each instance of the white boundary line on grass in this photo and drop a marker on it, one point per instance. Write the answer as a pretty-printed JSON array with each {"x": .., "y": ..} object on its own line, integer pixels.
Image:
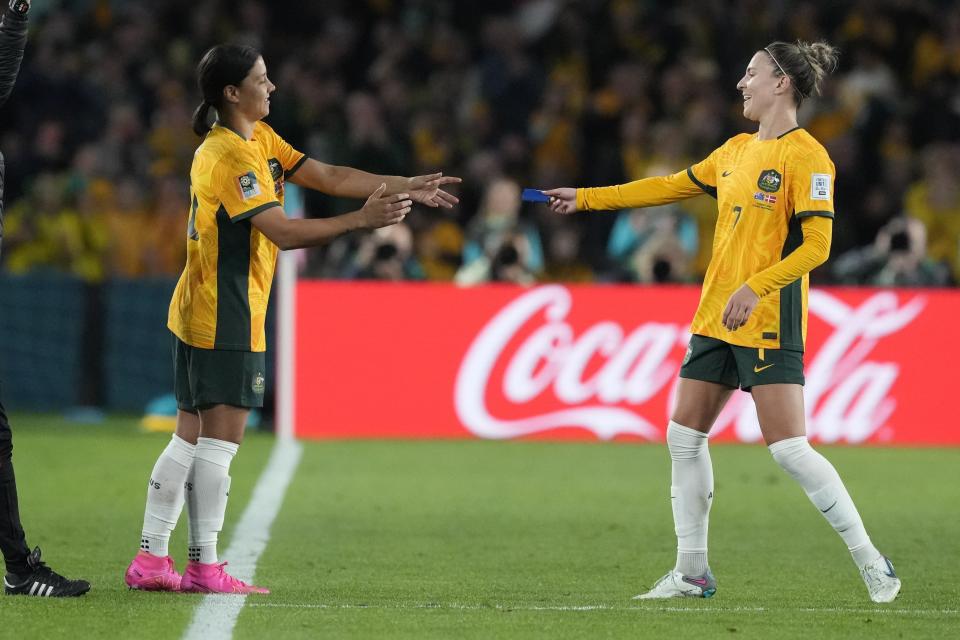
[
  {"x": 605, "y": 607},
  {"x": 216, "y": 615}
]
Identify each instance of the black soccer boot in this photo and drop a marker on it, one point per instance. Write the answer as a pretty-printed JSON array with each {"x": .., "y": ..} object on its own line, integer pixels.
[{"x": 43, "y": 581}]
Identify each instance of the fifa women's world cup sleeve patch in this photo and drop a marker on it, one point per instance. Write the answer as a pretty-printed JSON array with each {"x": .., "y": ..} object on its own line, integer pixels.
[
  {"x": 811, "y": 185},
  {"x": 243, "y": 186},
  {"x": 249, "y": 186}
]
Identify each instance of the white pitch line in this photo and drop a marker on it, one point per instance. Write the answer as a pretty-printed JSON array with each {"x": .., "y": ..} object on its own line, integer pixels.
[
  {"x": 605, "y": 607},
  {"x": 216, "y": 615}
]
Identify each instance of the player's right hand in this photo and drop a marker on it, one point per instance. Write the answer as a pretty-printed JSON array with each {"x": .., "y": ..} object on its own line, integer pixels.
[
  {"x": 383, "y": 211},
  {"x": 563, "y": 200}
]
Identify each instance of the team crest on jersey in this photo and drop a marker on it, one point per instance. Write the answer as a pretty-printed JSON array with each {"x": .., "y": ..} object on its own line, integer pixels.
[
  {"x": 249, "y": 187},
  {"x": 276, "y": 172},
  {"x": 770, "y": 180},
  {"x": 258, "y": 384}
]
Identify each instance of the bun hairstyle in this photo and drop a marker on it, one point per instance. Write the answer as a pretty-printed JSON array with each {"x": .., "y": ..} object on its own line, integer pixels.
[
  {"x": 806, "y": 64},
  {"x": 223, "y": 65}
]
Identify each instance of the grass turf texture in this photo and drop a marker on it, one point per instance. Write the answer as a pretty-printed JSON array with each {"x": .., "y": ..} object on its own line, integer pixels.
[{"x": 496, "y": 539}]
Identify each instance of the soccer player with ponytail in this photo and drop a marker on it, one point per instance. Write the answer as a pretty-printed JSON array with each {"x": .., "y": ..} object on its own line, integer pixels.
[
  {"x": 235, "y": 228},
  {"x": 774, "y": 192}
]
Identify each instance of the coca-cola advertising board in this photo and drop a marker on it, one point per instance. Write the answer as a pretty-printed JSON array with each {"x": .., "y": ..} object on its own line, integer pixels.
[{"x": 384, "y": 360}]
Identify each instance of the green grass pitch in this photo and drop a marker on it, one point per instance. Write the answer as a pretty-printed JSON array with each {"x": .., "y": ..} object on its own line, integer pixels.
[{"x": 398, "y": 539}]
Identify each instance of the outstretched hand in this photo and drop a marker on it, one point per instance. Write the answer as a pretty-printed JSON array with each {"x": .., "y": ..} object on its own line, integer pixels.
[
  {"x": 426, "y": 190},
  {"x": 382, "y": 211},
  {"x": 739, "y": 308},
  {"x": 562, "y": 200}
]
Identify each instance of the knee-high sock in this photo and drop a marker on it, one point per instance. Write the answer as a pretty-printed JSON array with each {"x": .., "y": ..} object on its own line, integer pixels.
[
  {"x": 12, "y": 541},
  {"x": 691, "y": 493},
  {"x": 165, "y": 496},
  {"x": 826, "y": 491},
  {"x": 208, "y": 488}
]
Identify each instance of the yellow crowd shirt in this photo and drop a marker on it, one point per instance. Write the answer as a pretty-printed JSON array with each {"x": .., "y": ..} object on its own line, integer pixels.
[
  {"x": 775, "y": 206},
  {"x": 220, "y": 301}
]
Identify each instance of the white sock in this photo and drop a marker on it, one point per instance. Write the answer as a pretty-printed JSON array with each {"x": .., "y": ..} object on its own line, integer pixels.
[
  {"x": 825, "y": 489},
  {"x": 165, "y": 496},
  {"x": 691, "y": 491},
  {"x": 208, "y": 488}
]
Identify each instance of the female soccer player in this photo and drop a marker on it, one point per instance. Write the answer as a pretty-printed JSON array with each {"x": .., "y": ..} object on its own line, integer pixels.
[
  {"x": 236, "y": 227},
  {"x": 774, "y": 192}
]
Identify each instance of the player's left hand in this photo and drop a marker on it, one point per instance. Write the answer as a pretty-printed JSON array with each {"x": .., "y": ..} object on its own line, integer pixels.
[
  {"x": 426, "y": 190},
  {"x": 739, "y": 307}
]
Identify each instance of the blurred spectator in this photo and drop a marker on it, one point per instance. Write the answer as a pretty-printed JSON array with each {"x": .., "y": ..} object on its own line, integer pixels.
[
  {"x": 127, "y": 221},
  {"x": 935, "y": 201},
  {"x": 440, "y": 249},
  {"x": 564, "y": 261},
  {"x": 386, "y": 254},
  {"x": 656, "y": 244},
  {"x": 497, "y": 239},
  {"x": 897, "y": 259},
  {"x": 45, "y": 231},
  {"x": 165, "y": 251}
]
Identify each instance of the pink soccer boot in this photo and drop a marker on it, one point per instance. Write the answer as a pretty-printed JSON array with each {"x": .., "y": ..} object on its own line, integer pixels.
[
  {"x": 152, "y": 573},
  {"x": 211, "y": 578}
]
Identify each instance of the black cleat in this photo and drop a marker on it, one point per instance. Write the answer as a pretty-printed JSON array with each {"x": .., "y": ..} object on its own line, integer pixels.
[{"x": 43, "y": 581}]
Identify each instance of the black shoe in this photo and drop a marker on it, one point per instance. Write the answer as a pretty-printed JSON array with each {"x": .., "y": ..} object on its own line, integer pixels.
[{"x": 43, "y": 581}]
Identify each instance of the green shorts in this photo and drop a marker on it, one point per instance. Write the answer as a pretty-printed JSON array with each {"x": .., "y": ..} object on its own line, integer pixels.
[
  {"x": 713, "y": 360},
  {"x": 206, "y": 377}
]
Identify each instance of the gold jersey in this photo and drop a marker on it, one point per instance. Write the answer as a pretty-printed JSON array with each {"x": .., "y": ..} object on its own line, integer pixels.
[
  {"x": 220, "y": 301},
  {"x": 770, "y": 194}
]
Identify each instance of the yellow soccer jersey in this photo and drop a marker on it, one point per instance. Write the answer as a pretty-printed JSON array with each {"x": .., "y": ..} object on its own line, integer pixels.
[
  {"x": 221, "y": 299},
  {"x": 764, "y": 190}
]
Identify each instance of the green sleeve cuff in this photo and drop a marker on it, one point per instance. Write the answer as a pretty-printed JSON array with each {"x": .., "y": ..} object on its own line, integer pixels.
[
  {"x": 711, "y": 191},
  {"x": 292, "y": 170},
  {"x": 246, "y": 215}
]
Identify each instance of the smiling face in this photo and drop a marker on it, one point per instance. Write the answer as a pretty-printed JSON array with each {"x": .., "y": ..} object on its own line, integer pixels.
[
  {"x": 252, "y": 96},
  {"x": 761, "y": 87}
]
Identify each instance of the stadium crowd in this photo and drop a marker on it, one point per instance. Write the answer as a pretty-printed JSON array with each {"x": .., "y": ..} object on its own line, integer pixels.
[{"x": 539, "y": 93}]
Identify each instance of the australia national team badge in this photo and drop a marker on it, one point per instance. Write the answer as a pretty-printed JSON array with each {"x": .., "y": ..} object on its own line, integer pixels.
[
  {"x": 258, "y": 385},
  {"x": 249, "y": 187},
  {"x": 770, "y": 180}
]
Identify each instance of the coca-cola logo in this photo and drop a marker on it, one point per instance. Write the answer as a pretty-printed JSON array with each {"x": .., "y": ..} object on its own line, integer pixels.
[{"x": 847, "y": 395}]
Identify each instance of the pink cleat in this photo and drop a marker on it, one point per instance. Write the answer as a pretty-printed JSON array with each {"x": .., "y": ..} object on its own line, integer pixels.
[
  {"x": 152, "y": 573},
  {"x": 211, "y": 578}
]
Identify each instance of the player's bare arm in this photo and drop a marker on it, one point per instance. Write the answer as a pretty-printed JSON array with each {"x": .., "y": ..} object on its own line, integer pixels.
[
  {"x": 378, "y": 211},
  {"x": 347, "y": 182}
]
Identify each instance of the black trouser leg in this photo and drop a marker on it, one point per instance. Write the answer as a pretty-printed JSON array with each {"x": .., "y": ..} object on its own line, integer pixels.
[{"x": 12, "y": 541}]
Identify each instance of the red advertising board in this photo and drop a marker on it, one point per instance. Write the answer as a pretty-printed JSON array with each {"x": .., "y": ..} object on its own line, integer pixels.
[{"x": 383, "y": 360}]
